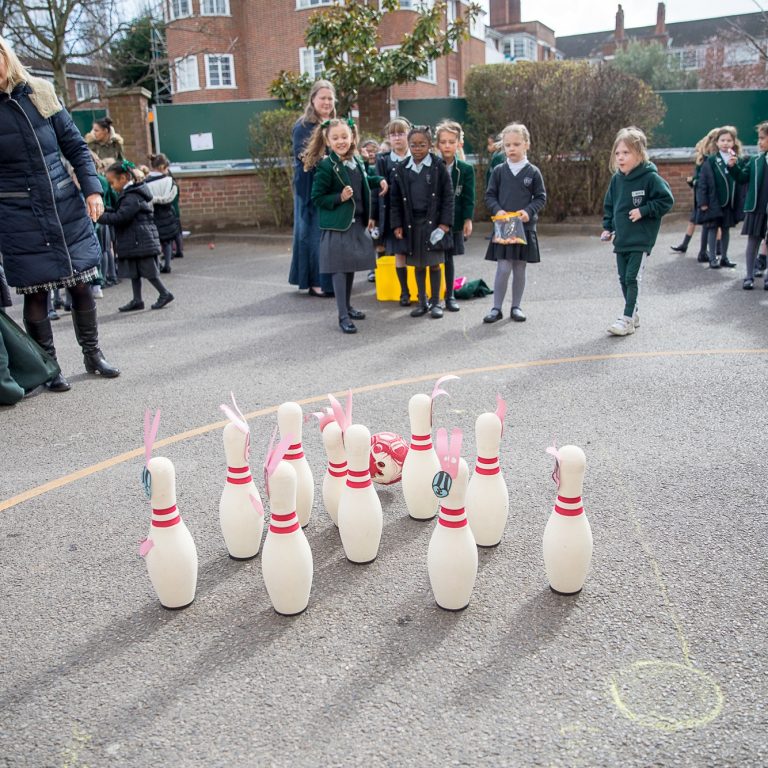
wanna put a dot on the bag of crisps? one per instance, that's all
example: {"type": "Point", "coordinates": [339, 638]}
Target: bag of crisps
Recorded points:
{"type": "Point", "coordinates": [508, 229]}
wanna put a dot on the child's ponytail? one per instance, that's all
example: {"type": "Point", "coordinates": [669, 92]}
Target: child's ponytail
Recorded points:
{"type": "Point", "coordinates": [123, 168]}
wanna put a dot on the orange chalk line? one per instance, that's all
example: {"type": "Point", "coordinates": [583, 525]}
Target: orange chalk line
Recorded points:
{"type": "Point", "coordinates": [73, 477]}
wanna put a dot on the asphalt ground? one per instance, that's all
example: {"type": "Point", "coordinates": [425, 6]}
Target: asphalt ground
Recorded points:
{"type": "Point", "coordinates": [660, 661]}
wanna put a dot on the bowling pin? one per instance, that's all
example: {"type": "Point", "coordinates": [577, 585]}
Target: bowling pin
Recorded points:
{"type": "Point", "coordinates": [169, 550]}
{"type": "Point", "coordinates": [336, 472]}
{"type": "Point", "coordinates": [567, 535]}
{"type": "Point", "coordinates": [452, 553]}
{"type": "Point", "coordinates": [487, 494]}
{"type": "Point", "coordinates": [289, 421]}
{"type": "Point", "coordinates": [241, 512]}
{"type": "Point", "coordinates": [360, 517]}
{"type": "Point", "coordinates": [421, 463]}
{"type": "Point", "coordinates": [286, 560]}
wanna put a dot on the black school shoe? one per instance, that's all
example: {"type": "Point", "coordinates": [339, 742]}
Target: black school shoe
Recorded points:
{"type": "Point", "coordinates": [420, 310]}
{"type": "Point", "coordinates": [356, 314]}
{"type": "Point", "coordinates": [435, 311]}
{"type": "Point", "coordinates": [451, 305]}
{"type": "Point", "coordinates": [405, 300]}
{"type": "Point", "coordinates": [163, 299]}
{"type": "Point", "coordinates": [680, 248]}
{"type": "Point", "coordinates": [517, 315]}
{"type": "Point", "coordinates": [748, 284]}
{"type": "Point", "coordinates": [347, 326]}
{"type": "Point", "coordinates": [493, 316]}
{"type": "Point", "coordinates": [702, 258]}
{"type": "Point", "coordinates": [726, 262]}
{"type": "Point", "coordinates": [132, 306]}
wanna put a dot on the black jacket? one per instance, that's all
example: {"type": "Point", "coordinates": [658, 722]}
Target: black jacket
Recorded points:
{"type": "Point", "coordinates": [384, 166]}
{"type": "Point", "coordinates": [45, 232]}
{"type": "Point", "coordinates": [440, 206]}
{"type": "Point", "coordinates": [164, 191]}
{"type": "Point", "coordinates": [136, 235]}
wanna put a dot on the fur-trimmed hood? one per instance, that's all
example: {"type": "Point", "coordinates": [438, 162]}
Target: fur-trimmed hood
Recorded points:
{"type": "Point", "coordinates": [44, 97]}
{"type": "Point", "coordinates": [114, 139]}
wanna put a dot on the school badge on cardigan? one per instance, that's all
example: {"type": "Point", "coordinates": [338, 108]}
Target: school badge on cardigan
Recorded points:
{"type": "Point", "coordinates": [638, 197]}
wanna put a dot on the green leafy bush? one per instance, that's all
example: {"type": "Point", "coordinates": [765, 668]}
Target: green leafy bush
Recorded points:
{"type": "Point", "coordinates": [272, 153]}
{"type": "Point", "coordinates": [573, 111]}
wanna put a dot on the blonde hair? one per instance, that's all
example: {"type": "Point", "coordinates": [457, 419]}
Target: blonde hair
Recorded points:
{"type": "Point", "coordinates": [762, 127]}
{"type": "Point", "coordinates": [515, 128]}
{"type": "Point", "coordinates": [16, 72]}
{"type": "Point", "coordinates": [315, 149]}
{"type": "Point", "coordinates": [636, 142]}
{"type": "Point", "coordinates": [737, 145]}
{"type": "Point", "coordinates": [705, 146]}
{"type": "Point", "coordinates": [398, 125]}
{"type": "Point", "coordinates": [310, 114]}
{"type": "Point", "coordinates": [451, 126]}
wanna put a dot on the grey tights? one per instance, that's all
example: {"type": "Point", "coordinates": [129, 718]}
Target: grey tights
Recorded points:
{"type": "Point", "coordinates": [505, 267]}
{"type": "Point", "coordinates": [342, 288]}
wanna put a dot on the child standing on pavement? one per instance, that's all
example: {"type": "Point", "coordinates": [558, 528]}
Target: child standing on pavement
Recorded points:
{"type": "Point", "coordinates": [636, 199]}
{"type": "Point", "coordinates": [716, 194]}
{"type": "Point", "coordinates": [514, 186]}
{"type": "Point", "coordinates": [341, 192]}
{"type": "Point", "coordinates": [755, 174]}
{"type": "Point", "coordinates": [164, 191]}
{"type": "Point", "coordinates": [449, 136]}
{"type": "Point", "coordinates": [136, 238]}
{"type": "Point", "coordinates": [396, 133]}
{"type": "Point", "coordinates": [422, 216]}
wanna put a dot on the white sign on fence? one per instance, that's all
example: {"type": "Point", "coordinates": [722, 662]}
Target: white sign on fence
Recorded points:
{"type": "Point", "coordinates": [200, 141]}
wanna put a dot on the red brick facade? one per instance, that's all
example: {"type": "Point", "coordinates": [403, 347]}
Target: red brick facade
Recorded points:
{"type": "Point", "coordinates": [265, 36]}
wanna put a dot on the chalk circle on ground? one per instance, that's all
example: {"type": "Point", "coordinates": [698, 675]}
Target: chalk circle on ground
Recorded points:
{"type": "Point", "coordinates": [666, 695]}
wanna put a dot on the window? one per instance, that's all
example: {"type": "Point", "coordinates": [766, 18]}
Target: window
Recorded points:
{"type": "Point", "coordinates": [739, 54]}
{"type": "Point", "coordinates": [301, 4]}
{"type": "Point", "coordinates": [430, 76]}
{"type": "Point", "coordinates": [688, 58]}
{"type": "Point", "coordinates": [451, 14]}
{"type": "Point", "coordinates": [415, 5]}
{"type": "Point", "coordinates": [477, 27]}
{"type": "Point", "coordinates": [453, 88]}
{"type": "Point", "coordinates": [187, 78]}
{"type": "Point", "coordinates": [214, 7]}
{"type": "Point", "coordinates": [519, 47]}
{"type": "Point", "coordinates": [220, 70]}
{"type": "Point", "coordinates": [177, 9]}
{"type": "Point", "coordinates": [86, 89]}
{"type": "Point", "coordinates": [311, 62]}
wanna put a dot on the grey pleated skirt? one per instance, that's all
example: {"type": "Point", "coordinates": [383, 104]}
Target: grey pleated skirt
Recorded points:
{"type": "Point", "coordinates": [348, 251]}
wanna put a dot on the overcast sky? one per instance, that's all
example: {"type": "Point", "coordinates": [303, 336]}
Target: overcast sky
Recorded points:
{"type": "Point", "coordinates": [572, 18]}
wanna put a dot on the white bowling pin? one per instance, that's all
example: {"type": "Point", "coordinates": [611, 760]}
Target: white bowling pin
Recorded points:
{"type": "Point", "coordinates": [241, 512]}
{"type": "Point", "coordinates": [421, 464]}
{"type": "Point", "coordinates": [169, 550]}
{"type": "Point", "coordinates": [567, 535]}
{"type": "Point", "coordinates": [452, 554]}
{"type": "Point", "coordinates": [289, 421]}
{"type": "Point", "coordinates": [286, 560]}
{"type": "Point", "coordinates": [336, 472]}
{"type": "Point", "coordinates": [487, 494]}
{"type": "Point", "coordinates": [360, 517]}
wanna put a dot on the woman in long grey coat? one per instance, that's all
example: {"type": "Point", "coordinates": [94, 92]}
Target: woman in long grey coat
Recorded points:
{"type": "Point", "coordinates": [46, 232]}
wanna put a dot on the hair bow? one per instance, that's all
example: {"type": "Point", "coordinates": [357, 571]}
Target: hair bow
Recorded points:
{"type": "Point", "coordinates": [325, 123]}
{"type": "Point", "coordinates": [127, 164]}
{"type": "Point", "coordinates": [351, 122]}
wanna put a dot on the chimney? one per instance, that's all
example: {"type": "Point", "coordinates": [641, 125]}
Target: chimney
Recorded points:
{"type": "Point", "coordinates": [504, 12]}
{"type": "Point", "coordinates": [514, 12]}
{"type": "Point", "coordinates": [618, 33]}
{"type": "Point", "coordinates": [661, 26]}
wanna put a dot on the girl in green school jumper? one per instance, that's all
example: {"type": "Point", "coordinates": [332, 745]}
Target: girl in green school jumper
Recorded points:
{"type": "Point", "coordinates": [341, 193]}
{"type": "Point", "coordinates": [449, 136]}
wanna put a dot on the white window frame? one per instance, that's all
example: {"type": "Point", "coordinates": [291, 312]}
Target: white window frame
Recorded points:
{"type": "Point", "coordinates": [311, 62]}
{"type": "Point", "coordinates": [477, 27]}
{"type": "Point", "coordinates": [215, 10]}
{"type": "Point", "coordinates": [209, 57]}
{"type": "Point", "coordinates": [413, 5]}
{"type": "Point", "coordinates": [170, 13]}
{"type": "Point", "coordinates": [188, 66]}
{"type": "Point", "coordinates": [303, 5]}
{"type": "Point", "coordinates": [688, 58]}
{"type": "Point", "coordinates": [89, 93]}
{"type": "Point", "coordinates": [740, 55]}
{"type": "Point", "coordinates": [431, 73]}
{"type": "Point", "coordinates": [453, 88]}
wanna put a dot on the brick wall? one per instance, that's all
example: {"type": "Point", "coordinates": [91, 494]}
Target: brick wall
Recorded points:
{"type": "Point", "coordinates": [129, 111]}
{"type": "Point", "coordinates": [675, 172]}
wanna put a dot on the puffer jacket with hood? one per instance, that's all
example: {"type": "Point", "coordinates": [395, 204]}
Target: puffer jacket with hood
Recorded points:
{"type": "Point", "coordinates": [164, 191]}
{"type": "Point", "coordinates": [135, 231]}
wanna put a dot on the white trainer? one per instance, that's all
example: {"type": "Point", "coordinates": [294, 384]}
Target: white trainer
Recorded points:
{"type": "Point", "coordinates": [636, 319]}
{"type": "Point", "coordinates": [622, 326]}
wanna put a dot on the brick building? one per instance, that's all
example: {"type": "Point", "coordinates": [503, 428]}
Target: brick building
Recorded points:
{"type": "Point", "coordinates": [517, 40]}
{"type": "Point", "coordinates": [86, 84]}
{"type": "Point", "coordinates": [717, 50]}
{"type": "Point", "coordinates": [224, 50]}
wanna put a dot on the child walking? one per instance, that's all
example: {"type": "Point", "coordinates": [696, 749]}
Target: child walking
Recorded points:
{"type": "Point", "coordinates": [514, 186]}
{"type": "Point", "coordinates": [450, 141]}
{"type": "Point", "coordinates": [422, 216]}
{"type": "Point", "coordinates": [755, 174]}
{"type": "Point", "coordinates": [716, 194]}
{"type": "Point", "coordinates": [636, 199]}
{"type": "Point", "coordinates": [164, 191]}
{"type": "Point", "coordinates": [341, 192]}
{"type": "Point", "coordinates": [136, 238]}
{"type": "Point", "coordinates": [396, 132]}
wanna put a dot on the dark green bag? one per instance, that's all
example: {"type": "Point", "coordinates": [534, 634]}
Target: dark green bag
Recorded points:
{"type": "Point", "coordinates": [473, 289]}
{"type": "Point", "coordinates": [24, 365]}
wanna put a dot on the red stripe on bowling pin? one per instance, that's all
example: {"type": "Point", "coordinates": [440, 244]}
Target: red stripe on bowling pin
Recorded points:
{"type": "Point", "coordinates": [165, 518]}
{"type": "Point", "coordinates": [284, 523]}
{"type": "Point", "coordinates": [569, 507]}
{"type": "Point", "coordinates": [421, 442]}
{"type": "Point", "coordinates": [238, 475]}
{"type": "Point", "coordinates": [487, 469]}
{"type": "Point", "coordinates": [452, 518]}
{"type": "Point", "coordinates": [364, 478]}
{"type": "Point", "coordinates": [337, 470]}
{"type": "Point", "coordinates": [294, 452]}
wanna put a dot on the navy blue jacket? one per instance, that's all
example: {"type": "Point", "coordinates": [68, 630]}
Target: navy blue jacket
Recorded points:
{"type": "Point", "coordinates": [136, 235]}
{"type": "Point", "coordinates": [45, 232]}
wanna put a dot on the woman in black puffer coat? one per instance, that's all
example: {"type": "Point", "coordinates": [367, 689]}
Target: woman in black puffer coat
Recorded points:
{"type": "Point", "coordinates": [46, 237]}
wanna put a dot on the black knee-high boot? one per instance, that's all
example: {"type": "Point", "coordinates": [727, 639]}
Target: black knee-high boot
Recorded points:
{"type": "Point", "coordinates": [42, 333]}
{"type": "Point", "coordinates": [683, 247]}
{"type": "Point", "coordinates": [87, 333]}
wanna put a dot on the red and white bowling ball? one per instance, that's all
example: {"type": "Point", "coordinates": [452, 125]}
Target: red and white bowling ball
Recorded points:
{"type": "Point", "coordinates": [388, 452]}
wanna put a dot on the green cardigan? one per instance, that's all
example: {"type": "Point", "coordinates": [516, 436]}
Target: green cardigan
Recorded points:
{"type": "Point", "coordinates": [751, 173]}
{"type": "Point", "coordinates": [330, 179]}
{"type": "Point", "coordinates": [463, 180]}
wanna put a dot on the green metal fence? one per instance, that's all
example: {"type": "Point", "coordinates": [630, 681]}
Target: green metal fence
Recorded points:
{"type": "Point", "coordinates": [216, 131]}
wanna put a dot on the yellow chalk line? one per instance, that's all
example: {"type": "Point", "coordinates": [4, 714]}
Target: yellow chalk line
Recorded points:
{"type": "Point", "coordinates": [72, 477]}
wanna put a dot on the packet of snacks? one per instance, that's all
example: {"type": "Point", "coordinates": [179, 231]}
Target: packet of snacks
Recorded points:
{"type": "Point", "coordinates": [508, 229]}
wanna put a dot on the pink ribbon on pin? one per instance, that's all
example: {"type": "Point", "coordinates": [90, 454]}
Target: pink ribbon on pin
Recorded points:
{"type": "Point", "coordinates": [145, 545]}
{"type": "Point", "coordinates": [501, 410]}
{"type": "Point", "coordinates": [275, 455]}
{"type": "Point", "coordinates": [324, 417]}
{"type": "Point", "coordinates": [437, 390]}
{"type": "Point", "coordinates": [150, 433]}
{"type": "Point", "coordinates": [343, 415]}
{"type": "Point", "coordinates": [449, 451]}
{"type": "Point", "coordinates": [256, 504]}
{"type": "Point", "coordinates": [235, 415]}
{"type": "Point", "coordinates": [552, 451]}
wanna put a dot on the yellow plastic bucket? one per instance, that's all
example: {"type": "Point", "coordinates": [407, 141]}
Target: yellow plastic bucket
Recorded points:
{"type": "Point", "coordinates": [388, 286]}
